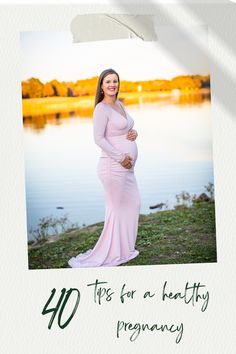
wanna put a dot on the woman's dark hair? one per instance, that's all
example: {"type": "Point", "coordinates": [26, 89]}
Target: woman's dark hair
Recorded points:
{"type": "Point", "coordinates": [99, 94]}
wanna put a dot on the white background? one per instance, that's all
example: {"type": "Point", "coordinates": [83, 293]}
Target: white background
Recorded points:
{"type": "Point", "coordinates": [93, 329]}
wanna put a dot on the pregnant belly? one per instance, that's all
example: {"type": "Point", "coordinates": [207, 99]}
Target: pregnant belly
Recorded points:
{"type": "Point", "coordinates": [125, 145]}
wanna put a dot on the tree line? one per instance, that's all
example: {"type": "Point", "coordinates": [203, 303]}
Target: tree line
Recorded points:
{"type": "Point", "coordinates": [33, 87]}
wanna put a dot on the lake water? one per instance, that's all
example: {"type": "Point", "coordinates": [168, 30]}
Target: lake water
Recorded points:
{"type": "Point", "coordinates": [175, 154]}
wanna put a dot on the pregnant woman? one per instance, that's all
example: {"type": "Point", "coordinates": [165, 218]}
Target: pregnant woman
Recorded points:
{"type": "Point", "coordinates": [113, 133]}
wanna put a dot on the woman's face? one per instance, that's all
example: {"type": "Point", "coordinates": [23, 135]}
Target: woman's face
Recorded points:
{"type": "Point", "coordinates": [110, 85]}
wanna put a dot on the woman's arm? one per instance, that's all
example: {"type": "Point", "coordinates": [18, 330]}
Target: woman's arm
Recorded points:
{"type": "Point", "coordinates": [100, 120]}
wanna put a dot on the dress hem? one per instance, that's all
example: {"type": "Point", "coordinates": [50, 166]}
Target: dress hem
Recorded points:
{"type": "Point", "coordinates": [72, 262]}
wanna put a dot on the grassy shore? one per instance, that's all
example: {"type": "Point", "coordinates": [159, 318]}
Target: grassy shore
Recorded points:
{"type": "Point", "coordinates": [178, 236]}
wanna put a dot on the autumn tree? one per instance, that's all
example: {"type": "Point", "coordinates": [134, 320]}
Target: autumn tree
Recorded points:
{"type": "Point", "coordinates": [32, 88]}
{"type": "Point", "coordinates": [60, 88]}
{"type": "Point", "coordinates": [48, 90]}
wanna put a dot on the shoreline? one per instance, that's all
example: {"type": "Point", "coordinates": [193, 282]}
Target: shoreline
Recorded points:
{"type": "Point", "coordinates": [185, 235]}
{"type": "Point", "coordinates": [84, 105]}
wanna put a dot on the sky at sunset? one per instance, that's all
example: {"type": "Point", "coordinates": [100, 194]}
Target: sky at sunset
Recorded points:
{"type": "Point", "coordinates": [50, 55]}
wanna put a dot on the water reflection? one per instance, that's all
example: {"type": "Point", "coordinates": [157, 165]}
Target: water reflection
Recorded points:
{"type": "Point", "coordinates": [190, 99]}
{"type": "Point", "coordinates": [38, 122]}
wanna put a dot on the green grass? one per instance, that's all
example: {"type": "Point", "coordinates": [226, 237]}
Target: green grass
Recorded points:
{"type": "Point", "coordinates": [166, 237]}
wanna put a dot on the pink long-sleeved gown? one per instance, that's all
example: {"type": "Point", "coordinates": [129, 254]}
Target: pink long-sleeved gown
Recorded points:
{"type": "Point", "coordinates": [116, 244]}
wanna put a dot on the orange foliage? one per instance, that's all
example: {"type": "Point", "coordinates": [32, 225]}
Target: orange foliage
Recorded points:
{"type": "Point", "coordinates": [35, 88]}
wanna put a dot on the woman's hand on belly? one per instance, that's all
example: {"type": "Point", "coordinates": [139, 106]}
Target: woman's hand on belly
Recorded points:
{"type": "Point", "coordinates": [127, 162]}
{"type": "Point", "coordinates": [132, 134]}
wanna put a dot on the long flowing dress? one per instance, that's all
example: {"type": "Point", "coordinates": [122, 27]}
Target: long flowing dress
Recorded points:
{"type": "Point", "coordinates": [116, 244]}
